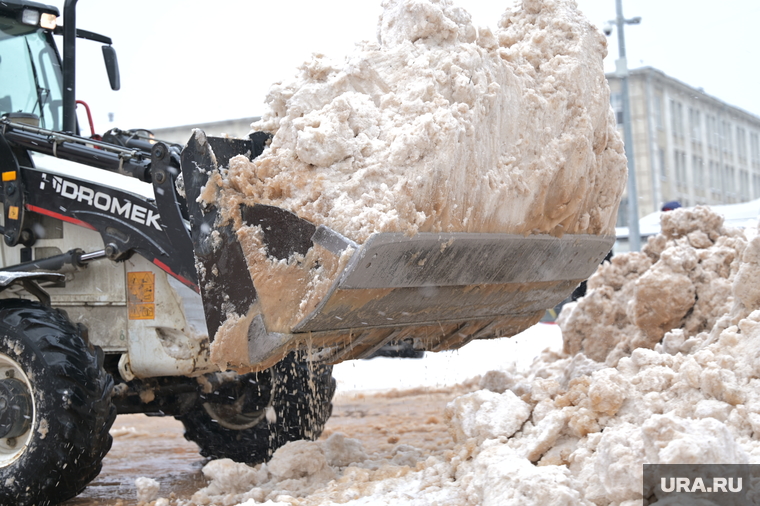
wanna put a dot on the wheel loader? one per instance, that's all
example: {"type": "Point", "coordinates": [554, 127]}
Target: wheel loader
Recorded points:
{"type": "Point", "coordinates": [116, 278]}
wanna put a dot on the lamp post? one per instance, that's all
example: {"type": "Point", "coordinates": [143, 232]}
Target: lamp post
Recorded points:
{"type": "Point", "coordinates": [621, 71]}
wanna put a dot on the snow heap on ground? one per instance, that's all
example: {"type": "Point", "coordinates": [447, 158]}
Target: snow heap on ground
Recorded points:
{"type": "Point", "coordinates": [439, 126]}
{"type": "Point", "coordinates": [673, 385]}
{"type": "Point", "coordinates": [681, 280]}
{"type": "Point", "coordinates": [147, 489]}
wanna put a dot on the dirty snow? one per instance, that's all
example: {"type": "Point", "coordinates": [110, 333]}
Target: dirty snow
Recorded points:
{"type": "Point", "coordinates": [443, 126]}
{"type": "Point", "coordinates": [569, 429]}
{"type": "Point", "coordinates": [437, 126]}
{"type": "Point", "coordinates": [147, 489]}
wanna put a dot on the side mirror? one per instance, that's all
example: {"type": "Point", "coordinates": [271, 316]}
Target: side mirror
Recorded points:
{"type": "Point", "coordinates": [112, 67]}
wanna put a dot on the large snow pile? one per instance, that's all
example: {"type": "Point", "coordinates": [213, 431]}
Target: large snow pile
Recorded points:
{"type": "Point", "coordinates": [573, 430]}
{"type": "Point", "coordinates": [439, 126]}
{"type": "Point", "coordinates": [682, 280]}
{"type": "Point", "coordinates": [436, 127]}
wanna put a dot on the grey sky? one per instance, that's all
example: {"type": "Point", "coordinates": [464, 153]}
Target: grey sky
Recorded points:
{"type": "Point", "coordinates": [188, 61]}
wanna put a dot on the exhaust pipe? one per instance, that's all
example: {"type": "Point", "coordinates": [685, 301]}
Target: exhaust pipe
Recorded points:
{"type": "Point", "coordinates": [69, 66]}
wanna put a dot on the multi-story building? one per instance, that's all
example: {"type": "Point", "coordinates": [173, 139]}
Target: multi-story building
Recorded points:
{"type": "Point", "coordinates": [688, 146]}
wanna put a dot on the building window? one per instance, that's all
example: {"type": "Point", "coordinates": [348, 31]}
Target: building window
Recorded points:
{"type": "Point", "coordinates": [695, 124]}
{"type": "Point", "coordinates": [676, 118]}
{"type": "Point", "coordinates": [661, 163]}
{"type": "Point", "coordinates": [712, 131]}
{"type": "Point", "coordinates": [741, 143]}
{"type": "Point", "coordinates": [622, 219]}
{"type": "Point", "coordinates": [715, 185]}
{"type": "Point", "coordinates": [679, 158]}
{"type": "Point", "coordinates": [754, 148]}
{"type": "Point", "coordinates": [744, 185]}
{"type": "Point", "coordinates": [659, 123]}
{"type": "Point", "coordinates": [698, 169]}
{"type": "Point", "coordinates": [728, 144]}
{"type": "Point", "coordinates": [756, 186]}
{"type": "Point", "coordinates": [730, 182]}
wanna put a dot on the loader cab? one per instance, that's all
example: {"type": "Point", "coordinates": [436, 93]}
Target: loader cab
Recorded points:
{"type": "Point", "coordinates": [34, 79]}
{"type": "Point", "coordinates": [31, 78]}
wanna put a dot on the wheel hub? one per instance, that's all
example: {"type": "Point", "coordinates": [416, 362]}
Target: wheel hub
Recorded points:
{"type": "Point", "coordinates": [251, 398]}
{"type": "Point", "coordinates": [232, 417]}
{"type": "Point", "coordinates": [15, 408]}
{"type": "Point", "coordinates": [17, 411]}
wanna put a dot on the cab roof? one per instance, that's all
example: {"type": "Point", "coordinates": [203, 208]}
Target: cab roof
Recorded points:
{"type": "Point", "coordinates": [15, 6]}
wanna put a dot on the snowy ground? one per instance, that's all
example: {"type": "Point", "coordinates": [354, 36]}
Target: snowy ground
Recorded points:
{"type": "Point", "coordinates": [154, 447]}
{"type": "Point", "coordinates": [569, 430]}
{"type": "Point", "coordinates": [447, 368]}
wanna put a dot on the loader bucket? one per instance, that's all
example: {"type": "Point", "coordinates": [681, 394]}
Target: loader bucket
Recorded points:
{"type": "Point", "coordinates": [279, 282]}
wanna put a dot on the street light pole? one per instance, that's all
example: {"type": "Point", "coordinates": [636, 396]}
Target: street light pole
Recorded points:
{"type": "Point", "coordinates": [621, 70]}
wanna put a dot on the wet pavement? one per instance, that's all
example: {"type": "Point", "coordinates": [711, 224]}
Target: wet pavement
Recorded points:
{"type": "Point", "coordinates": [155, 447]}
{"type": "Point", "coordinates": [145, 446]}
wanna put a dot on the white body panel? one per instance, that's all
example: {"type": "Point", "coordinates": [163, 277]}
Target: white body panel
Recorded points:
{"type": "Point", "coordinates": [160, 340]}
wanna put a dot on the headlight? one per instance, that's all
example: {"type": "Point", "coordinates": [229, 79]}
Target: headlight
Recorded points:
{"type": "Point", "coordinates": [34, 17]}
{"type": "Point", "coordinates": [30, 17]}
{"type": "Point", "coordinates": [48, 21]}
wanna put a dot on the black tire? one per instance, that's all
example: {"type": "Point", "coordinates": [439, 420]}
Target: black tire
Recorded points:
{"type": "Point", "coordinates": [67, 435]}
{"type": "Point", "coordinates": [247, 417]}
